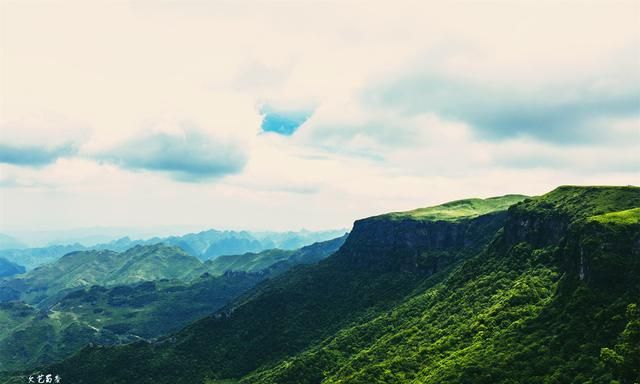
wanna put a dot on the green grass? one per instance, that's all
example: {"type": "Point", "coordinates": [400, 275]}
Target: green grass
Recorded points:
{"type": "Point", "coordinates": [459, 209]}
{"type": "Point", "coordinates": [577, 203]}
{"type": "Point", "coordinates": [629, 216]}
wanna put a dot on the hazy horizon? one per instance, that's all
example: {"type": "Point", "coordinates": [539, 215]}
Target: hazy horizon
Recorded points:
{"type": "Point", "coordinates": [91, 236]}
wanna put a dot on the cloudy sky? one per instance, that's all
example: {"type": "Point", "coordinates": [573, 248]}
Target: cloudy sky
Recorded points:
{"type": "Point", "coordinates": [282, 115]}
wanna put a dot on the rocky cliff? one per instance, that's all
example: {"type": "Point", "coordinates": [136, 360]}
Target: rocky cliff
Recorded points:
{"type": "Point", "coordinates": [603, 250]}
{"type": "Point", "coordinates": [592, 232]}
{"type": "Point", "coordinates": [423, 246]}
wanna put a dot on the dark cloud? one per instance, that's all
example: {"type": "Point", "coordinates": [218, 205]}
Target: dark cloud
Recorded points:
{"type": "Point", "coordinates": [187, 156]}
{"type": "Point", "coordinates": [35, 155]}
{"type": "Point", "coordinates": [557, 113]}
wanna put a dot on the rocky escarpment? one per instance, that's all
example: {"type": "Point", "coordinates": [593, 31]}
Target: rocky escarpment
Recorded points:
{"type": "Point", "coordinates": [603, 254]}
{"type": "Point", "coordinates": [422, 246]}
{"type": "Point", "coordinates": [539, 230]}
{"type": "Point", "coordinates": [545, 220]}
{"type": "Point", "coordinates": [593, 232]}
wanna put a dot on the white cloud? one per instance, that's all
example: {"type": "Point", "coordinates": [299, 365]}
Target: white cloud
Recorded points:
{"type": "Point", "coordinates": [101, 74]}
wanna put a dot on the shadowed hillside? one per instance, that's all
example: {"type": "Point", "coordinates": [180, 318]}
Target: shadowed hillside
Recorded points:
{"type": "Point", "coordinates": [106, 298]}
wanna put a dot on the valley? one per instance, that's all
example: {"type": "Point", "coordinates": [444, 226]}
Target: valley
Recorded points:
{"type": "Point", "coordinates": [106, 297]}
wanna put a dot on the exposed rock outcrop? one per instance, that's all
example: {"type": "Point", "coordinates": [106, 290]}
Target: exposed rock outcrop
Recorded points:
{"type": "Point", "coordinates": [422, 246]}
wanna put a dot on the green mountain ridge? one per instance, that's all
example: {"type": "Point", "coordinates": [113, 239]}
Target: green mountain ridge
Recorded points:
{"type": "Point", "coordinates": [107, 298]}
{"type": "Point", "coordinates": [87, 268]}
{"type": "Point", "coordinates": [551, 296]}
{"type": "Point", "coordinates": [426, 243]}
{"type": "Point", "coordinates": [8, 268]}
{"type": "Point", "coordinates": [308, 303]}
{"type": "Point", "coordinates": [254, 262]}
{"type": "Point", "coordinates": [458, 209]}
{"type": "Point", "coordinates": [564, 313]}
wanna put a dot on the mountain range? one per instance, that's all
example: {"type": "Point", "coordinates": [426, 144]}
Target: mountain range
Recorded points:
{"type": "Point", "coordinates": [204, 245]}
{"type": "Point", "coordinates": [511, 289]}
{"type": "Point", "coordinates": [111, 297]}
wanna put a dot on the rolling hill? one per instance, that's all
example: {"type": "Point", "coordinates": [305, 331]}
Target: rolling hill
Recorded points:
{"type": "Point", "coordinates": [105, 298]}
{"type": "Point", "coordinates": [106, 268]}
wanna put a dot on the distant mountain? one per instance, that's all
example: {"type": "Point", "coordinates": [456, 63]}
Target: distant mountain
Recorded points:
{"type": "Point", "coordinates": [8, 242]}
{"type": "Point", "coordinates": [295, 240]}
{"type": "Point", "coordinates": [204, 245]}
{"type": "Point", "coordinates": [232, 246]}
{"type": "Point", "coordinates": [210, 244]}
{"type": "Point", "coordinates": [249, 262]}
{"type": "Point", "coordinates": [33, 257]}
{"type": "Point", "coordinates": [253, 262]}
{"type": "Point", "coordinates": [8, 268]}
{"type": "Point", "coordinates": [544, 291]}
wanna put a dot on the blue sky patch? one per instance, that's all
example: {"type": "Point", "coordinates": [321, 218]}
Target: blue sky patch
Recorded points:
{"type": "Point", "coordinates": [282, 122]}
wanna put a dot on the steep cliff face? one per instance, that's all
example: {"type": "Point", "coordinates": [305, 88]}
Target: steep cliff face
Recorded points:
{"type": "Point", "coordinates": [535, 229]}
{"type": "Point", "coordinates": [593, 232]}
{"type": "Point", "coordinates": [603, 250]}
{"type": "Point", "coordinates": [422, 246]}
{"type": "Point", "coordinates": [425, 240]}
{"type": "Point", "coordinates": [545, 220]}
{"type": "Point", "coordinates": [553, 299]}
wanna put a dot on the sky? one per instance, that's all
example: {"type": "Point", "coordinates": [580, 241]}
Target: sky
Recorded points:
{"type": "Point", "coordinates": [278, 115]}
